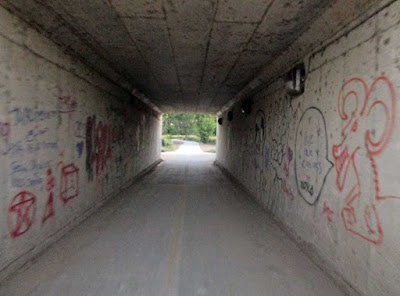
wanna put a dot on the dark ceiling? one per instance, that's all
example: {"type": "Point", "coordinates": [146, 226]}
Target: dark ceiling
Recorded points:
{"type": "Point", "coordinates": [184, 55]}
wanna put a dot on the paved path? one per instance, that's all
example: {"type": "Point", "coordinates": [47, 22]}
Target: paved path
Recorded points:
{"type": "Point", "coordinates": [187, 148]}
{"type": "Point", "coordinates": [184, 229]}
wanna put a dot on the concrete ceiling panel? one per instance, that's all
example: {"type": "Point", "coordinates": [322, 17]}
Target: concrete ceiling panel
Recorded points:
{"type": "Point", "coordinates": [139, 8]}
{"type": "Point", "coordinates": [287, 20]}
{"type": "Point", "coordinates": [228, 40]}
{"type": "Point", "coordinates": [241, 10]}
{"type": "Point", "coordinates": [151, 37]}
{"type": "Point", "coordinates": [190, 25]}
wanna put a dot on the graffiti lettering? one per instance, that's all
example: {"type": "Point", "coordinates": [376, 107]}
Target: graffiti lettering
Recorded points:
{"type": "Point", "coordinates": [26, 115]}
{"type": "Point", "coordinates": [308, 187]}
{"type": "Point", "coordinates": [19, 148]}
{"type": "Point", "coordinates": [311, 166]}
{"type": "Point", "coordinates": [34, 134]}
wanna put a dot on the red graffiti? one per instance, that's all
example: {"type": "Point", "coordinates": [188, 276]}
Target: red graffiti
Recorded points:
{"type": "Point", "coordinates": [286, 189]}
{"type": "Point", "coordinates": [357, 152]}
{"type": "Point", "coordinates": [328, 212]}
{"type": "Point", "coordinates": [50, 185]}
{"type": "Point", "coordinates": [99, 140]}
{"type": "Point", "coordinates": [4, 129]}
{"type": "Point", "coordinates": [21, 213]}
{"type": "Point", "coordinates": [69, 184]}
{"type": "Point", "coordinates": [103, 146]}
{"type": "Point", "coordinates": [66, 105]}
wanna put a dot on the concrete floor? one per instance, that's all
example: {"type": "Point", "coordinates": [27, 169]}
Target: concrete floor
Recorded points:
{"type": "Point", "coordinates": [184, 229]}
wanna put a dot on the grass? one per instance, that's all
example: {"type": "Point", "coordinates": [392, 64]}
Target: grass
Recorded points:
{"type": "Point", "coordinates": [167, 145]}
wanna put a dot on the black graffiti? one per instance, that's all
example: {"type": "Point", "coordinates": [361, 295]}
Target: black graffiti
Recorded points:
{"type": "Point", "coordinates": [90, 144]}
{"type": "Point", "coordinates": [260, 131]}
{"type": "Point", "coordinates": [307, 186]}
{"type": "Point", "coordinates": [311, 155]}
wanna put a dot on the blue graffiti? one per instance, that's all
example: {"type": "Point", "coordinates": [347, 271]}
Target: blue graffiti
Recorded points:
{"type": "Point", "coordinates": [26, 182]}
{"type": "Point", "coordinates": [28, 115]}
{"type": "Point", "coordinates": [17, 167]}
{"type": "Point", "coordinates": [35, 133]}
{"type": "Point", "coordinates": [19, 148]}
{"type": "Point", "coordinates": [79, 147]}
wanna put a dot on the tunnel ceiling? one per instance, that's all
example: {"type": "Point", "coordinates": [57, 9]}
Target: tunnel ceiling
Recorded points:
{"type": "Point", "coordinates": [184, 55]}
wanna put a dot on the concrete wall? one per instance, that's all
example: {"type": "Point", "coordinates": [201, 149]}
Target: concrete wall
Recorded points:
{"type": "Point", "coordinates": [325, 163]}
{"type": "Point", "coordinates": [69, 139]}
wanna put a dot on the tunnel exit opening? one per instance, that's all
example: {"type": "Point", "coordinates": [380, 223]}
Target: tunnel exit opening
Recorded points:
{"type": "Point", "coordinates": [188, 133]}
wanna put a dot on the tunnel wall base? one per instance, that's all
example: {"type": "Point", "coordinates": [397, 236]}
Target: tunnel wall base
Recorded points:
{"type": "Point", "coordinates": [324, 163]}
{"type": "Point", "coordinates": [69, 140]}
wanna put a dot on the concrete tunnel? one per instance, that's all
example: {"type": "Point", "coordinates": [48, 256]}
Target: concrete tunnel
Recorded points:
{"type": "Point", "coordinates": [302, 197]}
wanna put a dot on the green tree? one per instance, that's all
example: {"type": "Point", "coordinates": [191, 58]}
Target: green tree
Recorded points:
{"type": "Point", "coordinates": [206, 126]}
{"type": "Point", "coordinates": [179, 124]}
{"type": "Point", "coordinates": [202, 125]}
{"type": "Point", "coordinates": [186, 124]}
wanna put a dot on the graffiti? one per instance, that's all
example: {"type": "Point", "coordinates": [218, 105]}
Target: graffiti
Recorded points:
{"type": "Point", "coordinates": [21, 213]}
{"type": "Point", "coordinates": [25, 174]}
{"type": "Point", "coordinates": [50, 185]}
{"type": "Point", "coordinates": [33, 134]}
{"type": "Point", "coordinates": [69, 183]}
{"type": "Point", "coordinates": [66, 105]}
{"type": "Point", "coordinates": [32, 143]}
{"type": "Point", "coordinates": [99, 138]}
{"type": "Point", "coordinates": [361, 143]}
{"type": "Point", "coordinates": [80, 129]}
{"type": "Point", "coordinates": [281, 119]}
{"type": "Point", "coordinates": [260, 131]}
{"type": "Point", "coordinates": [26, 115]}
{"type": "Point", "coordinates": [286, 189]}
{"type": "Point", "coordinates": [79, 148]}
{"type": "Point", "coordinates": [103, 146]}
{"type": "Point", "coordinates": [4, 129]}
{"type": "Point", "coordinates": [19, 148]}
{"type": "Point", "coordinates": [90, 145]}
{"type": "Point", "coordinates": [328, 212]}
{"type": "Point", "coordinates": [311, 162]}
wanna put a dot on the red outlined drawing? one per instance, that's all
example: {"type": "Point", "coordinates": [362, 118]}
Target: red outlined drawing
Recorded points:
{"type": "Point", "coordinates": [358, 150]}
{"type": "Point", "coordinates": [21, 213]}
{"type": "Point", "coordinates": [69, 183]}
{"type": "Point", "coordinates": [50, 185]}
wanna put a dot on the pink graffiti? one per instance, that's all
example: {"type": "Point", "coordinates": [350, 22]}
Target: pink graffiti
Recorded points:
{"type": "Point", "coordinates": [357, 153]}
{"type": "Point", "coordinates": [328, 212]}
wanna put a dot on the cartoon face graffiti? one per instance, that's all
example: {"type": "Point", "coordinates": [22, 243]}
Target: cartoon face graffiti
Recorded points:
{"type": "Point", "coordinates": [260, 131]}
{"type": "Point", "coordinates": [311, 162]}
{"type": "Point", "coordinates": [362, 140]}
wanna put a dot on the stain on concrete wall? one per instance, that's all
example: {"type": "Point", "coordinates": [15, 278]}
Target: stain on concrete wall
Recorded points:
{"type": "Point", "coordinates": [68, 141]}
{"type": "Point", "coordinates": [327, 166]}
